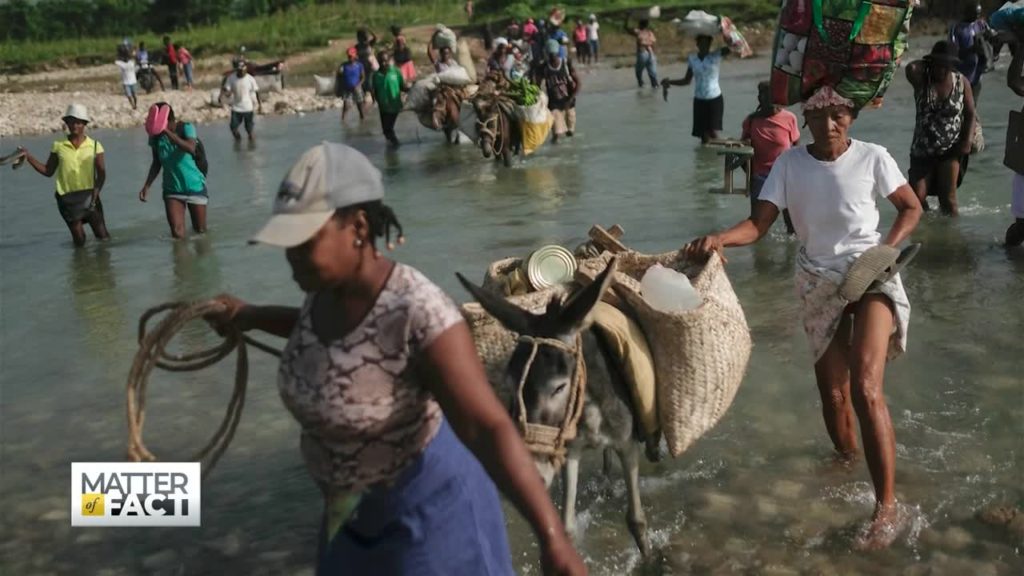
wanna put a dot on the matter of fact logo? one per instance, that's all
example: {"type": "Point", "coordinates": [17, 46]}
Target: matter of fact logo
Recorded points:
{"type": "Point", "coordinates": [135, 494]}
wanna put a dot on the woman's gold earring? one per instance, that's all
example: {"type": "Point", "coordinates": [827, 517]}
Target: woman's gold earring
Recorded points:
{"type": "Point", "coordinates": [359, 243]}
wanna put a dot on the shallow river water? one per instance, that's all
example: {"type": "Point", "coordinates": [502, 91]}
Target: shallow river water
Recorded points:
{"type": "Point", "coordinates": [758, 495]}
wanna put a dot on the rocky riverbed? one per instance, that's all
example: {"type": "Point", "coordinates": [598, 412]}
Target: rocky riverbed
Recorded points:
{"type": "Point", "coordinates": [40, 113]}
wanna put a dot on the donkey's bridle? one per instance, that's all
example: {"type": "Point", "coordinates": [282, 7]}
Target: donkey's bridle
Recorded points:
{"type": "Point", "coordinates": [496, 124]}
{"type": "Point", "coordinates": [492, 127]}
{"type": "Point", "coordinates": [541, 438]}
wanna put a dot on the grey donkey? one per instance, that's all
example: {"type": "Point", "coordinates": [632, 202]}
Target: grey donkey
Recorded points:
{"type": "Point", "coordinates": [607, 421]}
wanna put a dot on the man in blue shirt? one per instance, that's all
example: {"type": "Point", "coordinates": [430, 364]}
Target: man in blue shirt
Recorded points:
{"type": "Point", "coordinates": [348, 83]}
{"type": "Point", "coordinates": [560, 36]}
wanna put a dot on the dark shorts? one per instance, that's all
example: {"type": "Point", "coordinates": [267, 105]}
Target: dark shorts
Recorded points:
{"type": "Point", "coordinates": [238, 117]}
{"type": "Point", "coordinates": [707, 115]}
{"type": "Point", "coordinates": [921, 168]}
{"type": "Point", "coordinates": [77, 206]}
{"type": "Point", "coordinates": [756, 184]}
{"type": "Point", "coordinates": [582, 49]}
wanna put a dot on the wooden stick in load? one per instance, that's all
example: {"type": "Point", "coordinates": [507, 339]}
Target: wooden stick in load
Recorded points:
{"type": "Point", "coordinates": [606, 240]}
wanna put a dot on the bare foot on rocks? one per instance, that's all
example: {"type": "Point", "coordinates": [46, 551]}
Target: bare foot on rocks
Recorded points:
{"type": "Point", "coordinates": [886, 525]}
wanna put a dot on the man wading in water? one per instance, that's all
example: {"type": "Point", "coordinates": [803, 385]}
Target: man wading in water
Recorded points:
{"type": "Point", "coordinates": [645, 58]}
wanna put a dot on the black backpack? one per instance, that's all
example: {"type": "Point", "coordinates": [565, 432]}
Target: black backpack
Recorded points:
{"type": "Point", "coordinates": [200, 154]}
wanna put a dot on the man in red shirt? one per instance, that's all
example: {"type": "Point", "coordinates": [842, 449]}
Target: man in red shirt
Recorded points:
{"type": "Point", "coordinates": [172, 61]}
{"type": "Point", "coordinates": [770, 130]}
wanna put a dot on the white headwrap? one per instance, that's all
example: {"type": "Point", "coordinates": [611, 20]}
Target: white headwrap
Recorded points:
{"type": "Point", "coordinates": [826, 97]}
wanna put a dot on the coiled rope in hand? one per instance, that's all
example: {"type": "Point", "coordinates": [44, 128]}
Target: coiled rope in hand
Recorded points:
{"type": "Point", "coordinates": [153, 354]}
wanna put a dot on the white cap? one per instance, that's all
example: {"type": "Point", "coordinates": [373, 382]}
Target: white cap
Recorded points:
{"type": "Point", "coordinates": [77, 111]}
{"type": "Point", "coordinates": [326, 177]}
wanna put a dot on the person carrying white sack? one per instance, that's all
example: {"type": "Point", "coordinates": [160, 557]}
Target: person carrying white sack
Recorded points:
{"type": "Point", "coordinates": [855, 310]}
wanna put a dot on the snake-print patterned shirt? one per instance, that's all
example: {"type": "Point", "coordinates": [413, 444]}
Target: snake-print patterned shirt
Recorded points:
{"type": "Point", "coordinates": [363, 409]}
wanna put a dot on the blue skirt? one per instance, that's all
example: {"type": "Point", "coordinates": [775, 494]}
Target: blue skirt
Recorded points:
{"type": "Point", "coordinates": [442, 516]}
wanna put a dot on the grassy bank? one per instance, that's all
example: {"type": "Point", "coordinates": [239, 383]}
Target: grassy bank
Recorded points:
{"type": "Point", "coordinates": [277, 35]}
{"type": "Point", "coordinates": [312, 26]}
{"type": "Point", "coordinates": [304, 29]}
{"type": "Point", "coordinates": [739, 10]}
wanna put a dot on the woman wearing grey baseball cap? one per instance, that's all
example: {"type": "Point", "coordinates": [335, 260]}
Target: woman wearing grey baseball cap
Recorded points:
{"type": "Point", "coordinates": [400, 428]}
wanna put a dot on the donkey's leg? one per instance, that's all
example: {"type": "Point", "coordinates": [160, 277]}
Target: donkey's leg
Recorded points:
{"type": "Point", "coordinates": [570, 478]}
{"type": "Point", "coordinates": [629, 454]}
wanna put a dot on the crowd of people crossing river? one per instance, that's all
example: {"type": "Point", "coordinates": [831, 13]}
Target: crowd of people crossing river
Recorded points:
{"type": "Point", "coordinates": [401, 429]}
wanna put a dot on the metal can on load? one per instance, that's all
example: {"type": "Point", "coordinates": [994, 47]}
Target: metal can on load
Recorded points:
{"type": "Point", "coordinates": [550, 266]}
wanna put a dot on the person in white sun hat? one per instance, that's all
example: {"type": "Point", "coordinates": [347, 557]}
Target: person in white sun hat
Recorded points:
{"type": "Point", "coordinates": [855, 309]}
{"type": "Point", "coordinates": [400, 428]}
{"type": "Point", "coordinates": [78, 162]}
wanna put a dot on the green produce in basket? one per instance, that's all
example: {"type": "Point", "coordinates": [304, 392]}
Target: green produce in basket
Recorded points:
{"type": "Point", "coordinates": [524, 92]}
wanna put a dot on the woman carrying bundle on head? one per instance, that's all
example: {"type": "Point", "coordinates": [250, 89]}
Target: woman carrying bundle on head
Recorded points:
{"type": "Point", "coordinates": [708, 102]}
{"type": "Point", "coordinates": [855, 310]}
{"type": "Point", "coordinates": [400, 428]}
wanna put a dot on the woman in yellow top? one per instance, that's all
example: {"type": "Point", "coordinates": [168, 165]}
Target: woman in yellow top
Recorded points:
{"type": "Point", "coordinates": [80, 168]}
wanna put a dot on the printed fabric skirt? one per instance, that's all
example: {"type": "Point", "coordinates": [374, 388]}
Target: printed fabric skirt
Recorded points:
{"type": "Point", "coordinates": [442, 516]}
{"type": "Point", "coordinates": [823, 307]}
{"type": "Point", "coordinates": [707, 116]}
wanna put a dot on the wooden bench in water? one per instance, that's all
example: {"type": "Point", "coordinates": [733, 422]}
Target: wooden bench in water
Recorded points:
{"type": "Point", "coordinates": [736, 154]}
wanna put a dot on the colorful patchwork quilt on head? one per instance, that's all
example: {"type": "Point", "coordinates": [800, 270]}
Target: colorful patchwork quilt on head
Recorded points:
{"type": "Point", "coordinates": [853, 46]}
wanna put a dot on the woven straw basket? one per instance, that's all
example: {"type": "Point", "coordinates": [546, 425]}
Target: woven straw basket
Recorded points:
{"type": "Point", "coordinates": [494, 342]}
{"type": "Point", "coordinates": [700, 355]}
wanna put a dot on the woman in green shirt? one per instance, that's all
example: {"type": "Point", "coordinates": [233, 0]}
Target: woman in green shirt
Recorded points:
{"type": "Point", "coordinates": [388, 85]}
{"type": "Point", "coordinates": [81, 170]}
{"type": "Point", "coordinates": [184, 184]}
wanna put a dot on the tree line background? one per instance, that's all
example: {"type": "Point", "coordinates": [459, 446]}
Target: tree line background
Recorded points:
{"type": "Point", "coordinates": [43, 20]}
{"type": "Point", "coordinates": [55, 19]}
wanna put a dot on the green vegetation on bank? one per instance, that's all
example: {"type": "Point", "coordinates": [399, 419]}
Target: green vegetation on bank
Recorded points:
{"type": "Point", "coordinates": [279, 34]}
{"type": "Point", "coordinates": [279, 28]}
{"type": "Point", "coordinates": [740, 10]}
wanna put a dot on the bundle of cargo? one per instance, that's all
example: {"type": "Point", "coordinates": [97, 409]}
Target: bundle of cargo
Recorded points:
{"type": "Point", "coordinates": [700, 23]}
{"type": "Point", "coordinates": [700, 351]}
{"type": "Point", "coordinates": [854, 46]}
{"type": "Point", "coordinates": [1008, 17]}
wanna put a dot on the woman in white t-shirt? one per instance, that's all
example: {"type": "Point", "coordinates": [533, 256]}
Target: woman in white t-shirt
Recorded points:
{"type": "Point", "coordinates": [830, 188]}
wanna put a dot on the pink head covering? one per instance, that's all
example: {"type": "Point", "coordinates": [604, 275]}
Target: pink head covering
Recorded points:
{"type": "Point", "coordinates": [826, 97]}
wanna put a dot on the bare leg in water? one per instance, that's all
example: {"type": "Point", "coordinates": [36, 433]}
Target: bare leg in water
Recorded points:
{"type": "Point", "coordinates": [850, 380]}
{"type": "Point", "coordinates": [946, 173]}
{"type": "Point", "coordinates": [832, 372]}
{"type": "Point", "coordinates": [175, 210]}
{"type": "Point", "coordinates": [872, 328]}
{"type": "Point", "coordinates": [197, 213]}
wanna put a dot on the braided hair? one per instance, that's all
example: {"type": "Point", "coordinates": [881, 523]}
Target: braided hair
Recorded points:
{"type": "Point", "coordinates": [381, 219]}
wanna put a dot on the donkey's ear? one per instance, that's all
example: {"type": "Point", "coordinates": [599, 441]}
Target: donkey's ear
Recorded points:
{"type": "Point", "coordinates": [582, 302]}
{"type": "Point", "coordinates": [511, 316]}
